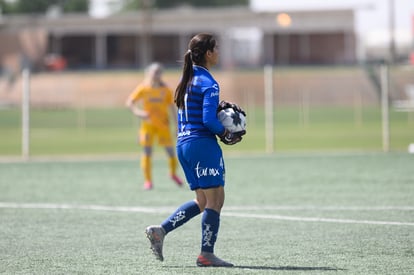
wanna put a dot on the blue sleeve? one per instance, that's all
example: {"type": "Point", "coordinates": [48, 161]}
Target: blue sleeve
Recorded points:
{"type": "Point", "coordinates": [210, 104]}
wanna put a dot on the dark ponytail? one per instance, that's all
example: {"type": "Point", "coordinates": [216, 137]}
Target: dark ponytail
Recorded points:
{"type": "Point", "coordinates": [185, 80]}
{"type": "Point", "coordinates": [197, 49]}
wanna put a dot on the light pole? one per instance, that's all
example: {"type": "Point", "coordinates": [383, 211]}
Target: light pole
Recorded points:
{"type": "Point", "coordinates": [146, 27]}
{"type": "Point", "coordinates": [392, 50]}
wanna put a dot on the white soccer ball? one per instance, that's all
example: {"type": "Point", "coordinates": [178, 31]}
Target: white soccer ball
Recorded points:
{"type": "Point", "coordinates": [232, 120]}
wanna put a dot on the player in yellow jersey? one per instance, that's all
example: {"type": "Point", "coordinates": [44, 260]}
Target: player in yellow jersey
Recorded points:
{"type": "Point", "coordinates": [152, 102]}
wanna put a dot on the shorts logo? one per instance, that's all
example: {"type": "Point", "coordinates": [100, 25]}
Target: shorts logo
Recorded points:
{"type": "Point", "coordinates": [205, 171]}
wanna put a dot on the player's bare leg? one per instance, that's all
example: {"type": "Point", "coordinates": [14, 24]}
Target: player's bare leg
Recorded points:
{"type": "Point", "coordinates": [172, 165]}
{"type": "Point", "coordinates": [147, 167]}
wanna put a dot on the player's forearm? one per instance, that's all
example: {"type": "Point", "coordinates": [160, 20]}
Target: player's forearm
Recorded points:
{"type": "Point", "coordinates": [138, 112]}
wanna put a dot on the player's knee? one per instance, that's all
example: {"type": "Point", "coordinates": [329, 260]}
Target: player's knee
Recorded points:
{"type": "Point", "coordinates": [201, 203]}
{"type": "Point", "coordinates": [215, 204]}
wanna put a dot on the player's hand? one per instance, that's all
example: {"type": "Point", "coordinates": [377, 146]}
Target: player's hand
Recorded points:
{"type": "Point", "coordinates": [141, 114]}
{"type": "Point", "coordinates": [229, 138]}
{"type": "Point", "coordinates": [224, 105]}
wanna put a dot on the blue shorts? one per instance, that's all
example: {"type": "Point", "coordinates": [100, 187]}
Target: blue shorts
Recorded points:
{"type": "Point", "coordinates": [202, 162]}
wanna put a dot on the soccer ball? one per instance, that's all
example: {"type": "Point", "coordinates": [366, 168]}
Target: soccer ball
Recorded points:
{"type": "Point", "coordinates": [232, 120]}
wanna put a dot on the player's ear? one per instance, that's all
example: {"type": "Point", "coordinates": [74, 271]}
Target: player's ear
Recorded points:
{"type": "Point", "coordinates": [209, 53]}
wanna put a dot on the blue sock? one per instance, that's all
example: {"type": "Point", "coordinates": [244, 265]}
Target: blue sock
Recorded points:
{"type": "Point", "coordinates": [210, 223]}
{"type": "Point", "coordinates": [183, 214]}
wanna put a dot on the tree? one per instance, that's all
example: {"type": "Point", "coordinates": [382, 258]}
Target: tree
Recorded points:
{"type": "Point", "coordinates": [199, 3]}
{"type": "Point", "coordinates": [76, 6]}
{"type": "Point", "coordinates": [6, 7]}
{"type": "Point", "coordinates": [162, 4]}
{"type": "Point", "coordinates": [41, 6]}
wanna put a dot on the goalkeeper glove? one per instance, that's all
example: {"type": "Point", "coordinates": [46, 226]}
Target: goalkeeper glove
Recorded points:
{"type": "Point", "coordinates": [229, 138]}
{"type": "Point", "coordinates": [224, 105]}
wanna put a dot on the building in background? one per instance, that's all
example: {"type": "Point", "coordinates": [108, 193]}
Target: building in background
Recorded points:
{"type": "Point", "coordinates": [247, 38]}
{"type": "Point", "coordinates": [382, 27]}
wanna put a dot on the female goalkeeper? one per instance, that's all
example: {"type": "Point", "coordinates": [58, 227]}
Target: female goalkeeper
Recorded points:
{"type": "Point", "coordinates": [152, 102]}
{"type": "Point", "coordinates": [197, 99]}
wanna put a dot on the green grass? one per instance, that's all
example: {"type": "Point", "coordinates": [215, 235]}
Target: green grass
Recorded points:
{"type": "Point", "coordinates": [113, 131]}
{"type": "Point", "coordinates": [292, 213]}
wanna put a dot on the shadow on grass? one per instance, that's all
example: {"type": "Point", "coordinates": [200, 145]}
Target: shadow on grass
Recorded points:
{"type": "Point", "coordinates": [300, 268]}
{"type": "Point", "coordinates": [293, 268]}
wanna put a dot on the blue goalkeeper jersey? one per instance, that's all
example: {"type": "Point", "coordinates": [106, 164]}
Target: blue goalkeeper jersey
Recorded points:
{"type": "Point", "coordinates": [199, 116]}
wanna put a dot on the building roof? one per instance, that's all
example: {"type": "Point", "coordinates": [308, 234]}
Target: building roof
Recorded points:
{"type": "Point", "coordinates": [189, 20]}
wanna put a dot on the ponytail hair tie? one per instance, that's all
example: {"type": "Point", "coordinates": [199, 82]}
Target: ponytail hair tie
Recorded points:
{"type": "Point", "coordinates": [189, 51]}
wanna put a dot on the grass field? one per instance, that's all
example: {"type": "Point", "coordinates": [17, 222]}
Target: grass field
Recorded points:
{"type": "Point", "coordinates": [292, 213]}
{"type": "Point", "coordinates": [113, 131]}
